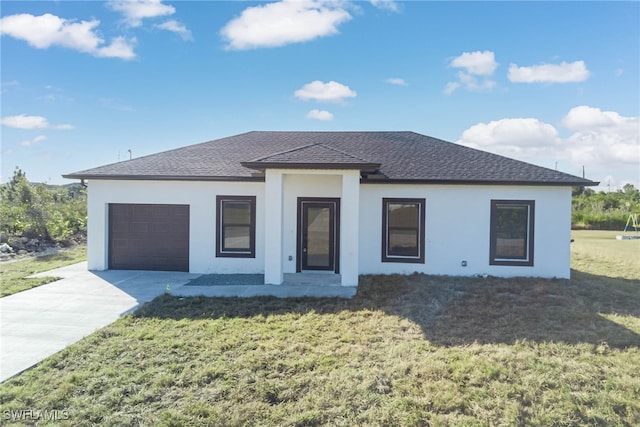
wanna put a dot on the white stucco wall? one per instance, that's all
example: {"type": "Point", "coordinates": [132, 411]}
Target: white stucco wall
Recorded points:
{"type": "Point", "coordinates": [457, 229]}
{"type": "Point", "coordinates": [457, 223]}
{"type": "Point", "coordinates": [201, 198]}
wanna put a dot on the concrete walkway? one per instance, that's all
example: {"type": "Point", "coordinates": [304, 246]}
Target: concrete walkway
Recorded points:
{"type": "Point", "coordinates": [39, 322]}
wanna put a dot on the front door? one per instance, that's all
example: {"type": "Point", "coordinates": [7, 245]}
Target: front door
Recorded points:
{"type": "Point", "coordinates": [318, 234]}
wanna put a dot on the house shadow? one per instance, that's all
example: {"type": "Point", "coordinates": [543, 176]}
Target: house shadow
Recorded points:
{"type": "Point", "coordinates": [458, 311]}
{"type": "Point", "coordinates": [585, 309]}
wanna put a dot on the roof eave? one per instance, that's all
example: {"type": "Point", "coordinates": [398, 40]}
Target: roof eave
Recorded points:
{"type": "Point", "coordinates": [260, 178]}
{"type": "Point", "coordinates": [162, 177]}
{"type": "Point", "coordinates": [483, 182]}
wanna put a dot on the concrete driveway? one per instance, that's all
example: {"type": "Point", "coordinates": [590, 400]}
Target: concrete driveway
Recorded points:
{"type": "Point", "coordinates": [36, 323]}
{"type": "Point", "coordinates": [39, 322]}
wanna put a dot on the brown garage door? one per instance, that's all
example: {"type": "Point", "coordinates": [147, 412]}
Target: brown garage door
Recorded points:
{"type": "Point", "coordinates": [149, 237]}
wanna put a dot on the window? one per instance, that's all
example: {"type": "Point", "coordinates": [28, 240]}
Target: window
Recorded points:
{"type": "Point", "coordinates": [512, 232]}
{"type": "Point", "coordinates": [403, 230]}
{"type": "Point", "coordinates": [236, 228]}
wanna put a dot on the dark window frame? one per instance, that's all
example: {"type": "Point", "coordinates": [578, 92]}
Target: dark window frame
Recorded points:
{"type": "Point", "coordinates": [527, 261]}
{"type": "Point", "coordinates": [386, 257]}
{"type": "Point", "coordinates": [221, 251]}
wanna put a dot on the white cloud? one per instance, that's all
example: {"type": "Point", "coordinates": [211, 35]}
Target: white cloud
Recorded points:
{"type": "Point", "coordinates": [176, 27]}
{"type": "Point", "coordinates": [284, 22]}
{"type": "Point", "coordinates": [478, 63]}
{"type": "Point", "coordinates": [135, 11]}
{"type": "Point", "coordinates": [119, 48]}
{"type": "Point", "coordinates": [320, 115]}
{"type": "Point", "coordinates": [389, 5]}
{"type": "Point", "coordinates": [324, 92]}
{"type": "Point", "coordinates": [477, 68]}
{"type": "Point", "coordinates": [605, 142]}
{"type": "Point", "coordinates": [23, 121]}
{"type": "Point", "coordinates": [49, 30]}
{"type": "Point", "coordinates": [475, 84]}
{"type": "Point", "coordinates": [585, 118]}
{"type": "Point", "coordinates": [549, 73]}
{"type": "Point", "coordinates": [28, 142]}
{"type": "Point", "coordinates": [451, 87]}
{"type": "Point", "coordinates": [603, 136]}
{"type": "Point", "coordinates": [469, 82]}
{"type": "Point", "coordinates": [523, 138]}
{"type": "Point", "coordinates": [396, 81]}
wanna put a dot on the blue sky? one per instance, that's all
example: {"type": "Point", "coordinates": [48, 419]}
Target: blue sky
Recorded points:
{"type": "Point", "coordinates": [553, 83]}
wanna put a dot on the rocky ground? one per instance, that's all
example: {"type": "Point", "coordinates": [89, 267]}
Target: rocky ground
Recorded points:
{"type": "Point", "coordinates": [19, 247]}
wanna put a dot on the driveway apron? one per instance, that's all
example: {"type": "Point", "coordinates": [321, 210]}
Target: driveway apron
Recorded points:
{"type": "Point", "coordinates": [39, 322]}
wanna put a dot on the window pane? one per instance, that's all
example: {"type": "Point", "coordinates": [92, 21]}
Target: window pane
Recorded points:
{"type": "Point", "coordinates": [237, 237]}
{"type": "Point", "coordinates": [403, 215]}
{"type": "Point", "coordinates": [512, 223]}
{"type": "Point", "coordinates": [236, 212]}
{"type": "Point", "coordinates": [318, 237]}
{"type": "Point", "coordinates": [403, 228]}
{"type": "Point", "coordinates": [403, 242]}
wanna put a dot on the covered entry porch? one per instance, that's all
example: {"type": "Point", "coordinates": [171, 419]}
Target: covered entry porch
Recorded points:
{"type": "Point", "coordinates": [311, 226]}
{"type": "Point", "coordinates": [312, 208]}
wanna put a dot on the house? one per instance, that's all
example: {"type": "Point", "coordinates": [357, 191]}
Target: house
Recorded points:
{"type": "Point", "coordinates": [348, 203]}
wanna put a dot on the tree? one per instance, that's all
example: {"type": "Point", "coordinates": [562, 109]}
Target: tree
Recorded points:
{"type": "Point", "coordinates": [50, 214]}
{"type": "Point", "coordinates": [604, 210]}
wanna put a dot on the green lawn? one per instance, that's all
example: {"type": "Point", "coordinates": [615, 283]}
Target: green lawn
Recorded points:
{"type": "Point", "coordinates": [13, 274]}
{"type": "Point", "coordinates": [599, 252]}
{"type": "Point", "coordinates": [407, 350]}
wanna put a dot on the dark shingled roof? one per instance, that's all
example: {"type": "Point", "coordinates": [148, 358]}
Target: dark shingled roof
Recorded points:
{"type": "Point", "coordinates": [394, 156]}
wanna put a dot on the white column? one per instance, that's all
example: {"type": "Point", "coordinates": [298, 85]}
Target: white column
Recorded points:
{"type": "Point", "coordinates": [273, 228]}
{"type": "Point", "coordinates": [97, 227]}
{"type": "Point", "coordinates": [349, 214]}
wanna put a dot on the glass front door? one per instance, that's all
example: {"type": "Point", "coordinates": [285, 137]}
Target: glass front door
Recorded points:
{"type": "Point", "coordinates": [318, 235]}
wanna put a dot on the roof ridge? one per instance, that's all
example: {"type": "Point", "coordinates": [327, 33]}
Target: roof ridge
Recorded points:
{"type": "Point", "coordinates": [290, 150]}
{"type": "Point", "coordinates": [342, 152]}
{"type": "Point", "coordinates": [313, 144]}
